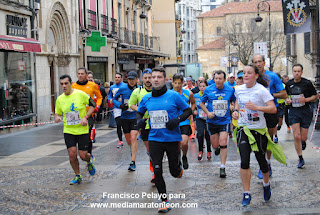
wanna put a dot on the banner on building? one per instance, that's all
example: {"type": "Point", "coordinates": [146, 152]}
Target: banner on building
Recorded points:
{"type": "Point", "coordinates": [234, 61]}
{"type": "Point", "coordinates": [296, 16]}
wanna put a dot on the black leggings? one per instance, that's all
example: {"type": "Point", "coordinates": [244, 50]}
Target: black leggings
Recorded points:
{"type": "Point", "coordinates": [245, 150]}
{"type": "Point", "coordinates": [156, 150]}
{"type": "Point", "coordinates": [203, 133]}
{"type": "Point", "coordinates": [119, 125]}
{"type": "Point", "coordinates": [286, 115]}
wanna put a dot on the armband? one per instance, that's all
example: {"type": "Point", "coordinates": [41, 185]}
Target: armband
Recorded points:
{"type": "Point", "coordinates": [86, 117]}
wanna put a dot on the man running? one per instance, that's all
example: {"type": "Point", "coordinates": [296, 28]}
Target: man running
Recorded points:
{"type": "Point", "coordinates": [128, 116]}
{"type": "Point", "coordinates": [166, 110]}
{"type": "Point", "coordinates": [134, 102]}
{"type": "Point", "coordinates": [72, 105]}
{"type": "Point", "coordinates": [277, 90]}
{"type": "Point", "coordinates": [116, 111]}
{"type": "Point", "coordinates": [302, 93]}
{"type": "Point", "coordinates": [218, 97]}
{"type": "Point", "coordinates": [185, 126]}
{"type": "Point", "coordinates": [92, 90]}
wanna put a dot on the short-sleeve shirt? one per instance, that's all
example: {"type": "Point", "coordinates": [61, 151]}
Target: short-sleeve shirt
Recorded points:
{"type": "Point", "coordinates": [296, 89]}
{"type": "Point", "coordinates": [219, 103]}
{"type": "Point", "coordinates": [161, 109]}
{"type": "Point", "coordinates": [257, 94]}
{"type": "Point", "coordinates": [124, 92]}
{"type": "Point", "coordinates": [201, 113]}
{"type": "Point", "coordinates": [73, 108]}
{"type": "Point", "coordinates": [185, 96]}
{"type": "Point", "coordinates": [275, 84]}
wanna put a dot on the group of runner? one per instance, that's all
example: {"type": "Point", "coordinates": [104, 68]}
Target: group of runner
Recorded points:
{"type": "Point", "coordinates": [164, 117]}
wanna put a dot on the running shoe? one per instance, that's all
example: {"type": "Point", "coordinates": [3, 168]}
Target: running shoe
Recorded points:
{"type": "Point", "coordinates": [289, 130]}
{"type": "Point", "coordinates": [260, 176]}
{"type": "Point", "coordinates": [266, 193]}
{"type": "Point", "coordinates": [120, 144]}
{"type": "Point", "coordinates": [217, 151]}
{"type": "Point", "coordinates": [185, 162]}
{"type": "Point", "coordinates": [181, 173]}
{"type": "Point", "coordinates": [132, 166]}
{"type": "Point", "coordinates": [153, 179]}
{"type": "Point", "coordinates": [150, 167]}
{"type": "Point", "coordinates": [275, 139]}
{"type": "Point", "coordinates": [223, 172]}
{"type": "Point", "coordinates": [200, 156]}
{"type": "Point", "coordinates": [165, 207]}
{"type": "Point", "coordinates": [246, 199]}
{"type": "Point", "coordinates": [301, 164]}
{"type": "Point", "coordinates": [91, 168]}
{"type": "Point", "coordinates": [209, 155]}
{"type": "Point", "coordinates": [76, 180]}
{"type": "Point", "coordinates": [192, 136]}
{"type": "Point", "coordinates": [304, 145]}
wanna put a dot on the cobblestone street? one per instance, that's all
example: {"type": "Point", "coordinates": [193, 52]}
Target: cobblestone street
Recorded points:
{"type": "Point", "coordinates": [34, 178]}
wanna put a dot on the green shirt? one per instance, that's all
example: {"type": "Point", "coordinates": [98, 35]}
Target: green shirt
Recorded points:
{"type": "Point", "coordinates": [73, 108]}
{"type": "Point", "coordinates": [136, 98]}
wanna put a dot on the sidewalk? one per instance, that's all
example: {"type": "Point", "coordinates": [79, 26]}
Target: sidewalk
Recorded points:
{"type": "Point", "coordinates": [35, 175]}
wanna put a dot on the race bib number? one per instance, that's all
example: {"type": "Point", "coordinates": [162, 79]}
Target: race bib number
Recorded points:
{"type": "Point", "coordinates": [295, 100]}
{"type": "Point", "coordinates": [126, 101]}
{"type": "Point", "coordinates": [158, 119]}
{"type": "Point", "coordinates": [73, 118]}
{"type": "Point", "coordinates": [202, 114]}
{"type": "Point", "coordinates": [220, 107]}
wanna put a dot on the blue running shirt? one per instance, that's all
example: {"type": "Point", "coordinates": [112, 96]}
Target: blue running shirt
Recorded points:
{"type": "Point", "coordinates": [275, 84]}
{"type": "Point", "coordinates": [219, 103]}
{"type": "Point", "coordinates": [185, 97]}
{"type": "Point", "coordinates": [161, 109]}
{"type": "Point", "coordinates": [201, 113]}
{"type": "Point", "coordinates": [124, 92]}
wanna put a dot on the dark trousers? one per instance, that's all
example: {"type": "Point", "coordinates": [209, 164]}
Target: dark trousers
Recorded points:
{"type": "Point", "coordinates": [203, 133]}
{"type": "Point", "coordinates": [119, 125]}
{"type": "Point", "coordinates": [156, 150]}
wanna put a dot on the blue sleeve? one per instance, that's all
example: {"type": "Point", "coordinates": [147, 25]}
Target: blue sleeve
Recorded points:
{"type": "Point", "coordinates": [233, 97]}
{"type": "Point", "coordinates": [110, 94]}
{"type": "Point", "coordinates": [116, 97]}
{"type": "Point", "coordinates": [278, 84]}
{"type": "Point", "coordinates": [182, 105]}
{"type": "Point", "coordinates": [142, 108]}
{"type": "Point", "coordinates": [204, 97]}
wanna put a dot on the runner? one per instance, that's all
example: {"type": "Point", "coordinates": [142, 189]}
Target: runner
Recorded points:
{"type": "Point", "coordinates": [253, 100]}
{"type": "Point", "coordinates": [164, 107]}
{"type": "Point", "coordinates": [128, 116]}
{"type": "Point", "coordinates": [202, 123]}
{"type": "Point", "coordinates": [285, 79]}
{"type": "Point", "coordinates": [231, 82]}
{"type": "Point", "coordinates": [302, 93]}
{"type": "Point", "coordinates": [92, 90]}
{"type": "Point", "coordinates": [185, 126]}
{"type": "Point", "coordinates": [117, 111]}
{"type": "Point", "coordinates": [72, 105]}
{"type": "Point", "coordinates": [218, 97]}
{"type": "Point", "coordinates": [277, 90]}
{"type": "Point", "coordinates": [134, 102]}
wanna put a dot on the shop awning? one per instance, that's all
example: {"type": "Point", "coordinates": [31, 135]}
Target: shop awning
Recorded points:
{"type": "Point", "coordinates": [20, 44]}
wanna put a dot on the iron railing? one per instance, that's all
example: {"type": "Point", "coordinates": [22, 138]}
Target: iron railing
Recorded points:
{"type": "Point", "coordinates": [104, 24]}
{"type": "Point", "coordinates": [114, 27]}
{"type": "Point", "coordinates": [134, 38]}
{"type": "Point", "coordinates": [141, 39]}
{"type": "Point", "coordinates": [92, 20]}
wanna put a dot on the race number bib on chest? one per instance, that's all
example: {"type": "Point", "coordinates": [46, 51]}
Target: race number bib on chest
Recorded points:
{"type": "Point", "coordinates": [73, 118]}
{"type": "Point", "coordinates": [158, 119]}
{"type": "Point", "coordinates": [295, 100]}
{"type": "Point", "coordinates": [220, 107]}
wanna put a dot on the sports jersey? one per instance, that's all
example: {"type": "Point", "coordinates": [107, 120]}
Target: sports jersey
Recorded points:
{"type": "Point", "coordinates": [136, 98]}
{"type": "Point", "coordinates": [201, 113]}
{"type": "Point", "coordinates": [231, 85]}
{"type": "Point", "coordinates": [73, 108]}
{"type": "Point", "coordinates": [161, 109]}
{"type": "Point", "coordinates": [257, 94]}
{"type": "Point", "coordinates": [112, 92]}
{"type": "Point", "coordinates": [296, 89]}
{"type": "Point", "coordinates": [275, 84]}
{"type": "Point", "coordinates": [91, 89]}
{"type": "Point", "coordinates": [125, 93]}
{"type": "Point", "coordinates": [219, 103]}
{"type": "Point", "coordinates": [185, 97]}
{"type": "Point", "coordinates": [210, 82]}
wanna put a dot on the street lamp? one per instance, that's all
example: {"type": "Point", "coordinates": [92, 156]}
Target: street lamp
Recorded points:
{"type": "Point", "coordinates": [143, 16]}
{"type": "Point", "coordinates": [230, 65]}
{"type": "Point", "coordinates": [262, 6]}
{"type": "Point", "coordinates": [318, 55]}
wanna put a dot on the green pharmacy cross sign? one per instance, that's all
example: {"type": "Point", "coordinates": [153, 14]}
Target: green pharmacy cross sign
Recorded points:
{"type": "Point", "coordinates": [96, 41]}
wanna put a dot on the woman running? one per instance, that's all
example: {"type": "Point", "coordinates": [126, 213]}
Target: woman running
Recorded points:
{"type": "Point", "coordinates": [201, 122]}
{"type": "Point", "coordinates": [253, 100]}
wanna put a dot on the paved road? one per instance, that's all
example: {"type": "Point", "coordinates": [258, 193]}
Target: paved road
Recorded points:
{"type": "Point", "coordinates": [35, 175]}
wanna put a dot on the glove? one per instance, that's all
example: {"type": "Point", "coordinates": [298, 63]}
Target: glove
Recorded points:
{"type": "Point", "coordinates": [141, 123]}
{"type": "Point", "coordinates": [96, 109]}
{"type": "Point", "coordinates": [124, 107]}
{"type": "Point", "coordinates": [172, 123]}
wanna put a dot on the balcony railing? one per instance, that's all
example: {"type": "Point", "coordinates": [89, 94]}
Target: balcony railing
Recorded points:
{"type": "Point", "coordinates": [114, 27]}
{"type": "Point", "coordinates": [151, 42]}
{"type": "Point", "coordinates": [124, 36]}
{"type": "Point", "coordinates": [104, 24]}
{"type": "Point", "coordinates": [141, 39]}
{"type": "Point", "coordinates": [146, 41]}
{"type": "Point", "coordinates": [134, 38]}
{"type": "Point", "coordinates": [92, 20]}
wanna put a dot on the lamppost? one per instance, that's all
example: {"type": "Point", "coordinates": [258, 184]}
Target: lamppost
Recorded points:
{"type": "Point", "coordinates": [143, 16]}
{"type": "Point", "coordinates": [263, 6]}
{"type": "Point", "coordinates": [235, 43]}
{"type": "Point", "coordinates": [318, 55]}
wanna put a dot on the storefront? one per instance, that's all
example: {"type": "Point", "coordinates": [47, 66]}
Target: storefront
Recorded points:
{"type": "Point", "coordinates": [17, 90]}
{"type": "Point", "coordinates": [98, 66]}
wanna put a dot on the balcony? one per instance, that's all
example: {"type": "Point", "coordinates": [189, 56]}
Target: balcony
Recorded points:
{"type": "Point", "coordinates": [124, 36]}
{"type": "Point", "coordinates": [141, 39]}
{"type": "Point", "coordinates": [114, 27]}
{"type": "Point", "coordinates": [146, 41]}
{"type": "Point", "coordinates": [92, 20]}
{"type": "Point", "coordinates": [104, 24]}
{"type": "Point", "coordinates": [134, 38]}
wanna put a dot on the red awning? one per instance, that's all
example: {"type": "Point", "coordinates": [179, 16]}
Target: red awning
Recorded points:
{"type": "Point", "coordinates": [20, 44]}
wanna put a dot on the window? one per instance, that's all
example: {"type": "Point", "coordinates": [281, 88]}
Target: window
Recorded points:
{"type": "Point", "coordinates": [189, 58]}
{"type": "Point", "coordinates": [212, 0]}
{"type": "Point", "coordinates": [219, 31]}
{"type": "Point", "coordinates": [307, 40]}
{"type": "Point", "coordinates": [212, 7]}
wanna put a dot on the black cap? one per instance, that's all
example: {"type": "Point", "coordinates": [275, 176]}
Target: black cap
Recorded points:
{"type": "Point", "coordinates": [132, 75]}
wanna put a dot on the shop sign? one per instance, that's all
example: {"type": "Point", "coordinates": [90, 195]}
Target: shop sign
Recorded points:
{"type": "Point", "coordinates": [97, 59]}
{"type": "Point", "coordinates": [16, 26]}
{"type": "Point", "coordinates": [125, 59]}
{"type": "Point", "coordinates": [144, 61]}
{"type": "Point", "coordinates": [21, 65]}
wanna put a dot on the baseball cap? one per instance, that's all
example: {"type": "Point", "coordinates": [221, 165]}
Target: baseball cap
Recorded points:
{"type": "Point", "coordinates": [132, 75]}
{"type": "Point", "coordinates": [240, 75]}
{"type": "Point", "coordinates": [231, 75]}
{"type": "Point", "coordinates": [147, 70]}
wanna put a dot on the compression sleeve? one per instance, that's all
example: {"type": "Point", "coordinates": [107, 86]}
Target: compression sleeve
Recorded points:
{"type": "Point", "coordinates": [92, 103]}
{"type": "Point", "coordinates": [186, 113]}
